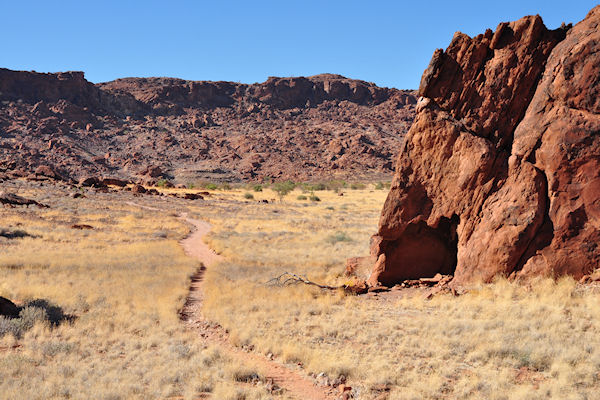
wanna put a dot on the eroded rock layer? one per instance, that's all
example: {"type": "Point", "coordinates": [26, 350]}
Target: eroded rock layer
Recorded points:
{"type": "Point", "coordinates": [300, 128]}
{"type": "Point", "coordinates": [500, 172]}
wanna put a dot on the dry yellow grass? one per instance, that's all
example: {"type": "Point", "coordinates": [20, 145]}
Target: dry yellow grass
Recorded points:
{"type": "Point", "coordinates": [124, 281]}
{"type": "Point", "coordinates": [500, 341]}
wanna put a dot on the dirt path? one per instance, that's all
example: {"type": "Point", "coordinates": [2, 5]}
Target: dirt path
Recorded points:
{"type": "Point", "coordinates": [277, 374]}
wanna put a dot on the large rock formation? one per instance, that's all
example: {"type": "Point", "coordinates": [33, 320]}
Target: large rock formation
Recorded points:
{"type": "Point", "coordinates": [285, 128]}
{"type": "Point", "coordinates": [500, 172]}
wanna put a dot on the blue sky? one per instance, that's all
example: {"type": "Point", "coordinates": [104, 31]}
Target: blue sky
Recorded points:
{"type": "Point", "coordinates": [386, 42]}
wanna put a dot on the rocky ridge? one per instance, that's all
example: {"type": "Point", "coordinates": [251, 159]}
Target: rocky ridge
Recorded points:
{"type": "Point", "coordinates": [63, 127]}
{"type": "Point", "coordinates": [500, 172]}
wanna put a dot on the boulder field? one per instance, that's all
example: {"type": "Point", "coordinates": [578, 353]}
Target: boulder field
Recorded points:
{"type": "Point", "coordinates": [62, 126]}
{"type": "Point", "coordinates": [500, 172]}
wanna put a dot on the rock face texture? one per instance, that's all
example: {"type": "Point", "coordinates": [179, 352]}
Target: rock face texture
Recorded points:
{"type": "Point", "coordinates": [500, 172]}
{"type": "Point", "coordinates": [285, 128]}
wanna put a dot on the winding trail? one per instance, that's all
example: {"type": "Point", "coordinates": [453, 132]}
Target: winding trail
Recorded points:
{"type": "Point", "coordinates": [277, 375]}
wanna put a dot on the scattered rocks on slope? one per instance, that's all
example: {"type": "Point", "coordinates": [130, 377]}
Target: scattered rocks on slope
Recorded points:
{"type": "Point", "coordinates": [200, 130]}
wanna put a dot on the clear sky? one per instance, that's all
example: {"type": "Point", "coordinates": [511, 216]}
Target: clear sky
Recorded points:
{"type": "Point", "coordinates": [386, 42]}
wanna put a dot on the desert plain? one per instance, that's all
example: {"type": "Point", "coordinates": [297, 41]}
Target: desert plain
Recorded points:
{"type": "Point", "coordinates": [308, 237]}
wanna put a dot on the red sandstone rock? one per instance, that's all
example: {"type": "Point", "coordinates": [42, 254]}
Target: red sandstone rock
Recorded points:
{"type": "Point", "coordinates": [153, 172]}
{"type": "Point", "coordinates": [46, 170]}
{"type": "Point", "coordinates": [357, 288]}
{"type": "Point", "coordinates": [500, 172]}
{"type": "Point", "coordinates": [82, 226]}
{"type": "Point", "coordinates": [114, 182]}
{"type": "Point", "coordinates": [139, 189]}
{"type": "Point", "coordinates": [92, 181]}
{"type": "Point", "coordinates": [193, 196]}
{"type": "Point", "coordinates": [559, 138]}
{"type": "Point", "coordinates": [359, 266]}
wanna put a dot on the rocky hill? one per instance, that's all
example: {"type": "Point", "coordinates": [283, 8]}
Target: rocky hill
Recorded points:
{"type": "Point", "coordinates": [319, 127]}
{"type": "Point", "coordinates": [500, 172]}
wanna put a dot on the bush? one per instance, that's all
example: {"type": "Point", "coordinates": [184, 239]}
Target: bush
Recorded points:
{"type": "Point", "coordinates": [54, 313]}
{"type": "Point", "coordinates": [358, 186]}
{"type": "Point", "coordinates": [315, 186]}
{"type": "Point", "coordinates": [331, 185]}
{"type": "Point", "coordinates": [283, 188]}
{"type": "Point", "coordinates": [258, 188]}
{"type": "Point", "coordinates": [8, 326]}
{"type": "Point", "coordinates": [336, 186]}
{"type": "Point", "coordinates": [226, 186]}
{"type": "Point", "coordinates": [301, 197]}
{"type": "Point", "coordinates": [190, 185]}
{"type": "Point", "coordinates": [211, 186]}
{"type": "Point", "coordinates": [314, 198]}
{"type": "Point", "coordinates": [16, 234]}
{"type": "Point", "coordinates": [161, 183]}
{"type": "Point", "coordinates": [248, 196]}
{"type": "Point", "coordinates": [28, 317]}
{"type": "Point", "coordinates": [379, 186]}
{"type": "Point", "coordinates": [245, 374]}
{"type": "Point", "coordinates": [51, 349]}
{"type": "Point", "coordinates": [338, 237]}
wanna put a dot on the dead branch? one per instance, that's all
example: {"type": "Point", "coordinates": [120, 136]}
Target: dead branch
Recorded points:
{"type": "Point", "coordinates": [287, 279]}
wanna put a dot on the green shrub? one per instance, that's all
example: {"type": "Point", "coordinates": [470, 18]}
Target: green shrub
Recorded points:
{"type": "Point", "coordinates": [338, 237]}
{"type": "Point", "coordinates": [161, 183]}
{"type": "Point", "coordinates": [211, 186]}
{"type": "Point", "coordinates": [336, 186]}
{"type": "Point", "coordinates": [283, 188]}
{"type": "Point", "coordinates": [358, 186]}
{"type": "Point", "coordinates": [317, 186]}
{"type": "Point", "coordinates": [301, 197]}
{"type": "Point", "coordinates": [314, 198]}
{"type": "Point", "coordinates": [258, 188]}
{"type": "Point", "coordinates": [379, 186]}
{"type": "Point", "coordinates": [190, 185]}
{"type": "Point", "coordinates": [248, 196]}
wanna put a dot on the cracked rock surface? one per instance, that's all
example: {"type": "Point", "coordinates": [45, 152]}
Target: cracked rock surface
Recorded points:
{"type": "Point", "coordinates": [500, 172]}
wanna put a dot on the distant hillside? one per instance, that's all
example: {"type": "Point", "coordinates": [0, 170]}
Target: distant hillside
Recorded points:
{"type": "Point", "coordinates": [319, 127]}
